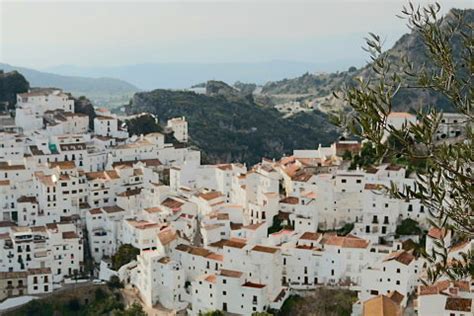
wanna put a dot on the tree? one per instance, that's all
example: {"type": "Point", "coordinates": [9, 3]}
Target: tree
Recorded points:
{"type": "Point", "coordinates": [366, 158]}
{"type": "Point", "coordinates": [84, 105]}
{"type": "Point", "coordinates": [114, 282]}
{"type": "Point", "coordinates": [12, 83]}
{"type": "Point", "coordinates": [74, 305]}
{"type": "Point", "coordinates": [124, 255]}
{"type": "Point", "coordinates": [346, 229]}
{"type": "Point", "coordinates": [445, 185]}
{"type": "Point", "coordinates": [408, 227]}
{"type": "Point", "coordinates": [143, 124]}
{"type": "Point", "coordinates": [352, 69]}
{"type": "Point", "coordinates": [100, 294]}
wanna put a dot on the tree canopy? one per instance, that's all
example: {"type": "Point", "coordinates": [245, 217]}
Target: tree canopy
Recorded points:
{"type": "Point", "coordinates": [124, 255]}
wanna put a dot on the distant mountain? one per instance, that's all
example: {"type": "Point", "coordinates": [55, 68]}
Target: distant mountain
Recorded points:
{"type": "Point", "coordinates": [99, 90]}
{"type": "Point", "coordinates": [319, 87]}
{"type": "Point", "coordinates": [184, 75]}
{"type": "Point", "coordinates": [228, 126]}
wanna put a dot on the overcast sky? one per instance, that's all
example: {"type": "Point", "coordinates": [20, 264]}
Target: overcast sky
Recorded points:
{"type": "Point", "coordinates": [41, 34]}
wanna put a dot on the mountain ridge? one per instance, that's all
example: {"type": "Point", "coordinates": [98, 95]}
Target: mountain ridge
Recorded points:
{"type": "Point", "coordinates": [181, 75]}
{"type": "Point", "coordinates": [100, 90]}
{"type": "Point", "coordinates": [319, 87]}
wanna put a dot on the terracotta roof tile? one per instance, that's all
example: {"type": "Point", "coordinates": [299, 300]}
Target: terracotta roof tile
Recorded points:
{"type": "Point", "coordinates": [230, 273]}
{"type": "Point", "coordinates": [266, 249]}
{"type": "Point", "coordinates": [290, 200]}
{"type": "Point", "coordinates": [401, 256]}
{"type": "Point", "coordinates": [348, 241]}
{"type": "Point", "coordinates": [458, 304]}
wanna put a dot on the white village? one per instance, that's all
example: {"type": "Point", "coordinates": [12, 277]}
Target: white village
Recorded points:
{"type": "Point", "coordinates": [229, 237]}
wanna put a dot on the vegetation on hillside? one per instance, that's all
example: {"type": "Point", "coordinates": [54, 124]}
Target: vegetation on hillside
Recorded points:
{"type": "Point", "coordinates": [12, 83]}
{"type": "Point", "coordinates": [235, 128]}
{"type": "Point", "coordinates": [245, 88]}
{"type": "Point", "coordinates": [320, 302]}
{"type": "Point", "coordinates": [409, 46]}
{"type": "Point", "coordinates": [88, 301]}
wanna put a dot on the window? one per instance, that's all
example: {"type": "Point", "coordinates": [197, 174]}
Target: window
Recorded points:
{"type": "Point", "coordinates": [343, 180]}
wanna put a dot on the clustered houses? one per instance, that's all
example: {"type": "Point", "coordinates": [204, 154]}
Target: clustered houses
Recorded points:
{"type": "Point", "coordinates": [230, 237]}
{"type": "Point", "coordinates": [61, 182]}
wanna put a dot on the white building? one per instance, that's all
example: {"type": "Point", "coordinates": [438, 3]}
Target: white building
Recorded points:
{"type": "Point", "coordinates": [179, 126]}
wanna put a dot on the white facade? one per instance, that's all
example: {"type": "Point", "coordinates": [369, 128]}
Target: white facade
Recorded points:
{"type": "Point", "coordinates": [204, 239]}
{"type": "Point", "coordinates": [179, 126]}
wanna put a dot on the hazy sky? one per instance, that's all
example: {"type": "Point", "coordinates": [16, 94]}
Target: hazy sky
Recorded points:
{"type": "Point", "coordinates": [41, 34]}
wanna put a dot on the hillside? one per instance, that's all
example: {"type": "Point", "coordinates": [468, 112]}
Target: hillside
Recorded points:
{"type": "Point", "coordinates": [11, 83]}
{"type": "Point", "coordinates": [319, 87]}
{"type": "Point", "coordinates": [99, 90]}
{"type": "Point", "coordinates": [236, 129]}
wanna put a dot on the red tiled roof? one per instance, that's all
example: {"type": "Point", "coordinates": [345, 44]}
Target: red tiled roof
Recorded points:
{"type": "Point", "coordinates": [290, 200]}
{"type": "Point", "coordinates": [458, 304]}
{"type": "Point", "coordinates": [266, 249]}
{"type": "Point", "coordinates": [230, 273]}
{"type": "Point", "coordinates": [254, 285]}
{"type": "Point", "coordinates": [401, 256]}
{"type": "Point", "coordinates": [70, 235]}
{"type": "Point", "coordinates": [310, 236]}
{"type": "Point", "coordinates": [348, 241]}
